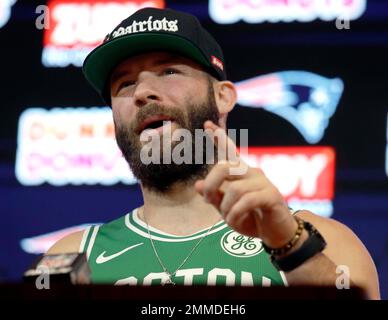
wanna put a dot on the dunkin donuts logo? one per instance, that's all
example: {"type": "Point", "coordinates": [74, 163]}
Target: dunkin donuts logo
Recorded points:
{"type": "Point", "coordinates": [147, 25]}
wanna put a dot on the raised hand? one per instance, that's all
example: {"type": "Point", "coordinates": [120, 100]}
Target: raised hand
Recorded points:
{"type": "Point", "coordinates": [248, 201]}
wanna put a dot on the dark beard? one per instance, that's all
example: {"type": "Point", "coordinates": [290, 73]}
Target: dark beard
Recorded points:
{"type": "Point", "coordinates": [160, 177]}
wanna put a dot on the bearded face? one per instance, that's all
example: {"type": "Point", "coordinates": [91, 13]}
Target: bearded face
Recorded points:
{"type": "Point", "coordinates": [159, 176]}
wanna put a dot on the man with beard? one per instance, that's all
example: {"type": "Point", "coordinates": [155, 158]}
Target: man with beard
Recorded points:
{"type": "Point", "coordinates": [220, 223]}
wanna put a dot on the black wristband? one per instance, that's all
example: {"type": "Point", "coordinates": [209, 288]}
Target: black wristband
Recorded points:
{"type": "Point", "coordinates": [314, 244]}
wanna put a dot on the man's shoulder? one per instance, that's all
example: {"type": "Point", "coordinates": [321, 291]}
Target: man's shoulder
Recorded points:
{"type": "Point", "coordinates": [72, 242]}
{"type": "Point", "coordinates": [68, 244]}
{"type": "Point", "coordinates": [325, 225]}
{"type": "Point", "coordinates": [345, 249]}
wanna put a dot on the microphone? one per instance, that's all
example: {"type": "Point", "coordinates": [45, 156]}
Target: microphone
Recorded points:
{"type": "Point", "coordinates": [66, 268]}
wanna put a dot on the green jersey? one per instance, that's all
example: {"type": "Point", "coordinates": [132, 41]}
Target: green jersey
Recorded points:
{"type": "Point", "coordinates": [120, 252]}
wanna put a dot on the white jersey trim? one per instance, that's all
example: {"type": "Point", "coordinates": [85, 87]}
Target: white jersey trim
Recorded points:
{"type": "Point", "coordinates": [140, 222]}
{"type": "Point", "coordinates": [283, 278]}
{"type": "Point", "coordinates": [84, 238]}
{"type": "Point", "coordinates": [91, 242]}
{"type": "Point", "coordinates": [134, 228]}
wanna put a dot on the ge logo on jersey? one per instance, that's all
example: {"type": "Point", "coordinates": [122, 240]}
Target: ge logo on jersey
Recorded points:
{"type": "Point", "coordinates": [237, 245]}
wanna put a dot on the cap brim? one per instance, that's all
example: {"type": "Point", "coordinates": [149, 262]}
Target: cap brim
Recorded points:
{"type": "Point", "coordinates": [102, 60]}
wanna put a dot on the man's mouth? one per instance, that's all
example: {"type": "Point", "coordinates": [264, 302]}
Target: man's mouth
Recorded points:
{"type": "Point", "coordinates": [155, 123]}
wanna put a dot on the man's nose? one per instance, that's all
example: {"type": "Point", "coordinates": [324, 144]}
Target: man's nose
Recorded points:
{"type": "Point", "coordinates": [146, 90]}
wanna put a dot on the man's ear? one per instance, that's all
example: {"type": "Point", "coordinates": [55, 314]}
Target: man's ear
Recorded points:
{"type": "Point", "coordinates": [226, 96]}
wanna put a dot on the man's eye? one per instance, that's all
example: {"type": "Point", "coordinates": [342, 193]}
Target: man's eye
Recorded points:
{"type": "Point", "coordinates": [125, 84]}
{"type": "Point", "coordinates": [169, 71]}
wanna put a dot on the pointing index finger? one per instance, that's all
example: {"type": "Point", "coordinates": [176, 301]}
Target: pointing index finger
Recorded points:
{"type": "Point", "coordinates": [227, 149]}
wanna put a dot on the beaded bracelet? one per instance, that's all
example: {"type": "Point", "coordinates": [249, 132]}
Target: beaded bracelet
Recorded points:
{"type": "Point", "coordinates": [289, 245]}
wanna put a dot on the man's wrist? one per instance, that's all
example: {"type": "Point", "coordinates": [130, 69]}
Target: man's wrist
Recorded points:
{"type": "Point", "coordinates": [306, 249]}
{"type": "Point", "coordinates": [303, 237]}
{"type": "Point", "coordinates": [283, 234]}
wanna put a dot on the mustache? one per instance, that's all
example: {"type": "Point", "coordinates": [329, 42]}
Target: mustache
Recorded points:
{"type": "Point", "coordinates": [156, 109]}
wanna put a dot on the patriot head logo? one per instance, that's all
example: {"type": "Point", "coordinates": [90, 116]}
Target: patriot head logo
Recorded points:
{"type": "Point", "coordinates": [305, 99]}
{"type": "Point", "coordinates": [5, 11]}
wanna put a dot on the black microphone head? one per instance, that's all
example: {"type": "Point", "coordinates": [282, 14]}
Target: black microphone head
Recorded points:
{"type": "Point", "coordinates": [59, 268]}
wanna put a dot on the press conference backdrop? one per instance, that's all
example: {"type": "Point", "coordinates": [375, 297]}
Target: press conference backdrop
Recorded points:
{"type": "Point", "coordinates": [312, 93]}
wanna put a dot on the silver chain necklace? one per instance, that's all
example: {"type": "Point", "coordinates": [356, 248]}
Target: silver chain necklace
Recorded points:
{"type": "Point", "coordinates": [168, 273]}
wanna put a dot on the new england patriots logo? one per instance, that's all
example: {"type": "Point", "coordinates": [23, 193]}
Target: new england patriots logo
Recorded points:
{"type": "Point", "coordinates": [305, 99]}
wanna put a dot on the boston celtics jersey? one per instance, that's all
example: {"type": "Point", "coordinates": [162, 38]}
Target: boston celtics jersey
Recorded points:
{"type": "Point", "coordinates": [121, 253]}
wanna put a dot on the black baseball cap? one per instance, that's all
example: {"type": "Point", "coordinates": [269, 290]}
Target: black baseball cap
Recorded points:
{"type": "Point", "coordinates": [153, 29]}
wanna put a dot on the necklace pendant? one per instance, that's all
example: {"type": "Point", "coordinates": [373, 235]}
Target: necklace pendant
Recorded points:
{"type": "Point", "coordinates": [169, 282]}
